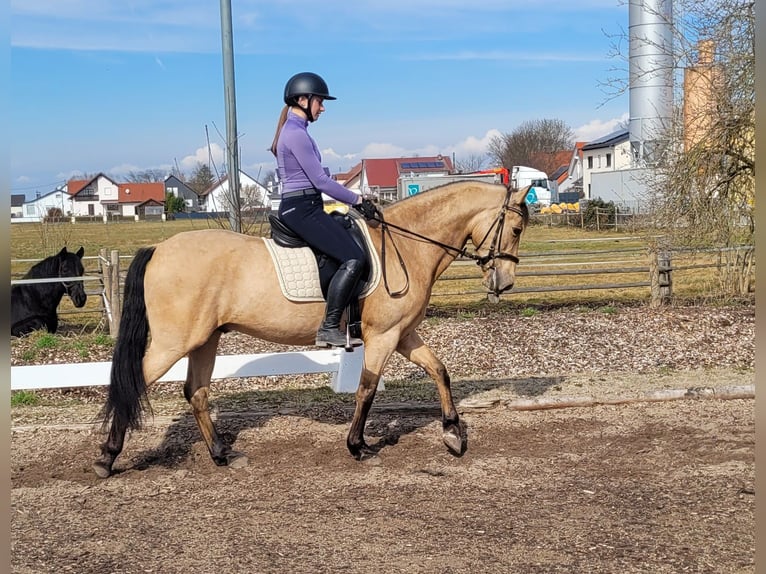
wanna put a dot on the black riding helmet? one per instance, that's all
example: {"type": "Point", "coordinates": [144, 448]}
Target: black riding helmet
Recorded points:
{"type": "Point", "coordinates": [306, 84]}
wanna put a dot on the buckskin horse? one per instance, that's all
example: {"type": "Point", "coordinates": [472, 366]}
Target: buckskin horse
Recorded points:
{"type": "Point", "coordinates": [34, 305]}
{"type": "Point", "coordinates": [226, 281]}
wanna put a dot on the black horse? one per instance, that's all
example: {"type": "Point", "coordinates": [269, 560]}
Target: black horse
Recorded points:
{"type": "Point", "coordinates": [33, 306]}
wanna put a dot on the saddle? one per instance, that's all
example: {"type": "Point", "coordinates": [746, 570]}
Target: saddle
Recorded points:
{"type": "Point", "coordinates": [284, 236]}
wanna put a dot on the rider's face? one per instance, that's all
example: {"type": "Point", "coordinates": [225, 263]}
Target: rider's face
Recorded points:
{"type": "Point", "coordinates": [317, 106]}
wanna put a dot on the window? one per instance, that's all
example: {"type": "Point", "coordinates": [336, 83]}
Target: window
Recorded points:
{"type": "Point", "coordinates": [608, 160]}
{"type": "Point", "coordinates": [590, 162]}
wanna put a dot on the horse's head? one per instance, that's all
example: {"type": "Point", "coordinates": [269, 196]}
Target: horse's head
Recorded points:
{"type": "Point", "coordinates": [497, 240]}
{"type": "Point", "coordinates": [70, 265]}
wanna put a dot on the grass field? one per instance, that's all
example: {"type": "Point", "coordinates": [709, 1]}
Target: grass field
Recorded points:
{"type": "Point", "coordinates": [544, 249]}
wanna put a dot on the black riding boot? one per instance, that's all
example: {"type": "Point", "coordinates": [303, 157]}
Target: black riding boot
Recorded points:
{"type": "Point", "coordinates": [338, 295]}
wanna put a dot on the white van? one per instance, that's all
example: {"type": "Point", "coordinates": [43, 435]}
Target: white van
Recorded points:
{"type": "Point", "coordinates": [540, 193]}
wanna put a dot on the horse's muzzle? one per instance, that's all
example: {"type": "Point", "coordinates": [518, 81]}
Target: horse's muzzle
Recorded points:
{"type": "Point", "coordinates": [78, 296]}
{"type": "Point", "coordinates": [497, 282]}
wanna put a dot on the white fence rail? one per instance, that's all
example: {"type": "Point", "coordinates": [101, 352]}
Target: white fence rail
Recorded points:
{"type": "Point", "coordinates": [346, 368]}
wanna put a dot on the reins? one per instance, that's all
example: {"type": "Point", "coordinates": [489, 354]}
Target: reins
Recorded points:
{"type": "Point", "coordinates": [480, 260]}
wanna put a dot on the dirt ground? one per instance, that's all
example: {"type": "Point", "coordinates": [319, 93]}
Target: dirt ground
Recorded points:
{"type": "Point", "coordinates": [638, 487]}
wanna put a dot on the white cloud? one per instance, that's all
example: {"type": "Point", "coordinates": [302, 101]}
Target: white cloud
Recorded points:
{"type": "Point", "coordinates": [595, 129]}
{"type": "Point", "coordinates": [258, 169]}
{"type": "Point", "coordinates": [473, 146]}
{"type": "Point", "coordinates": [382, 150]}
{"type": "Point", "coordinates": [331, 154]}
{"type": "Point", "coordinates": [123, 169]}
{"type": "Point", "coordinates": [71, 174]}
{"type": "Point", "coordinates": [203, 155]}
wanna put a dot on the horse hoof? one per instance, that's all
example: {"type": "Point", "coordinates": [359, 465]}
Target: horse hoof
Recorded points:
{"type": "Point", "coordinates": [454, 442]}
{"type": "Point", "coordinates": [102, 470]}
{"type": "Point", "coordinates": [366, 453]}
{"type": "Point", "coordinates": [360, 451]}
{"type": "Point", "coordinates": [236, 460]}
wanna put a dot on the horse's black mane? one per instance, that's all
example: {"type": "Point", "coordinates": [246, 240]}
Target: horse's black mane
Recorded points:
{"type": "Point", "coordinates": [42, 269]}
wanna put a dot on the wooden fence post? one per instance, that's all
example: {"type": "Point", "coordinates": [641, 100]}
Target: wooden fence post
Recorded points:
{"type": "Point", "coordinates": [660, 276]}
{"type": "Point", "coordinates": [114, 272]}
{"type": "Point", "coordinates": [106, 286]}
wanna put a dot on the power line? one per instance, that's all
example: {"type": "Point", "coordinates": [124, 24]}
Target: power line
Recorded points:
{"type": "Point", "coordinates": [38, 186]}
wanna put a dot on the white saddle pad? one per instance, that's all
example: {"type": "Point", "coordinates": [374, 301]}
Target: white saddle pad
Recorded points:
{"type": "Point", "coordinates": [298, 272]}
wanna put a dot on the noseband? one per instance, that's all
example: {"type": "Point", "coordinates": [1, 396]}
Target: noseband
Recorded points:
{"type": "Point", "coordinates": [498, 226]}
{"type": "Point", "coordinates": [67, 284]}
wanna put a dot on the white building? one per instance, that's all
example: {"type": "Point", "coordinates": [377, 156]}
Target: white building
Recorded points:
{"type": "Point", "coordinates": [36, 210]}
{"type": "Point", "coordinates": [606, 154]}
{"type": "Point", "coordinates": [252, 195]}
{"type": "Point", "coordinates": [95, 196]}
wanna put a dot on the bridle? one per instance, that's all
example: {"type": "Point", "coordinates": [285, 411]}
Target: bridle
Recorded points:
{"type": "Point", "coordinates": [67, 284]}
{"type": "Point", "coordinates": [498, 226]}
{"type": "Point", "coordinates": [484, 261]}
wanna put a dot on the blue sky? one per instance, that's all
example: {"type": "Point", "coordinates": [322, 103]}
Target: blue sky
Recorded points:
{"type": "Point", "coordinates": [113, 87]}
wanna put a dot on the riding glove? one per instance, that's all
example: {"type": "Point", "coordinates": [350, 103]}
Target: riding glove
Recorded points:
{"type": "Point", "coordinates": [367, 208]}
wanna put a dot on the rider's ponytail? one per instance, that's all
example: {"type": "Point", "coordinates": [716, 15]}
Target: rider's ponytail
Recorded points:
{"type": "Point", "coordinates": [280, 123]}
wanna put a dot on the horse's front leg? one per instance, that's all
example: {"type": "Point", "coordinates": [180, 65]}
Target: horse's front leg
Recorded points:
{"type": "Point", "coordinates": [52, 322]}
{"type": "Point", "coordinates": [413, 348]}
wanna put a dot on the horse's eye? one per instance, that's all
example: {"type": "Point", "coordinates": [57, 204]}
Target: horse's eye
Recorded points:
{"type": "Point", "coordinates": [516, 231]}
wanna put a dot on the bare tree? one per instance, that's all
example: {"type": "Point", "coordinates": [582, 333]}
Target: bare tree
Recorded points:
{"type": "Point", "coordinates": [534, 143]}
{"type": "Point", "coordinates": [471, 162]}
{"type": "Point", "coordinates": [703, 187]}
{"type": "Point", "coordinates": [202, 178]}
{"type": "Point", "coordinates": [146, 176]}
{"type": "Point", "coordinates": [270, 176]}
{"type": "Point", "coordinates": [251, 198]}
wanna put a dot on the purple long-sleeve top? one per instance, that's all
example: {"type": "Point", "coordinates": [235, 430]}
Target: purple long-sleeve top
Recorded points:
{"type": "Point", "coordinates": [299, 162]}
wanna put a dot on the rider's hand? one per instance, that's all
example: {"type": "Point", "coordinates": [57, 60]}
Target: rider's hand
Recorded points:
{"type": "Point", "coordinates": [367, 208]}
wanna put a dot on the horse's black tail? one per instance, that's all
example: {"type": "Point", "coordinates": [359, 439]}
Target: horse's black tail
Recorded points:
{"type": "Point", "coordinates": [127, 388]}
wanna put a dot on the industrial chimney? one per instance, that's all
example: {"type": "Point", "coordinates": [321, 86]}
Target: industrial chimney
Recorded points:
{"type": "Point", "coordinates": [650, 34]}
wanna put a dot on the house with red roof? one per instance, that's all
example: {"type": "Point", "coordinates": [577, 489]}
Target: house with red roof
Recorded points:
{"type": "Point", "coordinates": [380, 177]}
{"type": "Point", "coordinates": [102, 196]}
{"type": "Point", "coordinates": [572, 183]}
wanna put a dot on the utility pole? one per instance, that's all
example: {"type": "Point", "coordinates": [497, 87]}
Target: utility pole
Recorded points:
{"type": "Point", "coordinates": [232, 147]}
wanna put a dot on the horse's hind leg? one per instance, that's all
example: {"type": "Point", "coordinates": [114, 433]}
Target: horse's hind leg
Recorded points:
{"type": "Point", "coordinates": [155, 363]}
{"type": "Point", "coordinates": [413, 348]}
{"type": "Point", "coordinates": [111, 449]}
{"type": "Point", "coordinates": [201, 363]}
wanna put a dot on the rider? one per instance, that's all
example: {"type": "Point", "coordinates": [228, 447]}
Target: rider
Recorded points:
{"type": "Point", "coordinates": [303, 180]}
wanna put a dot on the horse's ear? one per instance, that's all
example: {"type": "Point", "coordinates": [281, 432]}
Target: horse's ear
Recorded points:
{"type": "Point", "coordinates": [62, 253]}
{"type": "Point", "coordinates": [80, 252]}
{"type": "Point", "coordinates": [520, 195]}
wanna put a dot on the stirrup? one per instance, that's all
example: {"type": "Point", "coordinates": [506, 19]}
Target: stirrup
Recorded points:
{"type": "Point", "coordinates": [334, 338]}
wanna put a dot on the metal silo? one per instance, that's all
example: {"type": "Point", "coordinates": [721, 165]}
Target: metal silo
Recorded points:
{"type": "Point", "coordinates": [650, 31]}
